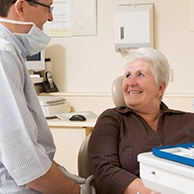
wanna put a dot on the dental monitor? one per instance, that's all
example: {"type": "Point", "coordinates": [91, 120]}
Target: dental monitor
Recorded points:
{"type": "Point", "coordinates": [36, 62]}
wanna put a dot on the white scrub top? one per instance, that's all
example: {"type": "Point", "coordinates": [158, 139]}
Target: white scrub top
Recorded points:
{"type": "Point", "coordinates": [26, 143]}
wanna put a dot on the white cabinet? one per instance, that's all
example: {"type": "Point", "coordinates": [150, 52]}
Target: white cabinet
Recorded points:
{"type": "Point", "coordinates": [68, 136]}
{"type": "Point", "coordinates": [68, 141]}
{"type": "Point", "coordinates": [165, 176]}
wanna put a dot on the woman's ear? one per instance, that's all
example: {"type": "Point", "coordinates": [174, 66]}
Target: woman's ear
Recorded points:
{"type": "Point", "coordinates": [162, 88]}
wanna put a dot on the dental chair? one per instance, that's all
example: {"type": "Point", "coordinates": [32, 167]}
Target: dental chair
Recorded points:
{"type": "Point", "coordinates": [117, 94]}
{"type": "Point", "coordinates": [84, 169]}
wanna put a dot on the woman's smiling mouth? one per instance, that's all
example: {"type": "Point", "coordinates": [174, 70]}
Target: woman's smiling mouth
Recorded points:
{"type": "Point", "coordinates": [135, 92]}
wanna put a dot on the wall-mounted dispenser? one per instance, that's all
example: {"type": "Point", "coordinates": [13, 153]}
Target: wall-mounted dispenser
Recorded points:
{"type": "Point", "coordinates": [133, 26]}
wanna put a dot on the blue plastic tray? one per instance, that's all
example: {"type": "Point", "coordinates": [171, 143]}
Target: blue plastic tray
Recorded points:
{"type": "Point", "coordinates": [178, 153]}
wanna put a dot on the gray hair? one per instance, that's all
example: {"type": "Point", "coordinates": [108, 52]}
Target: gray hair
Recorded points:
{"type": "Point", "coordinates": [158, 62]}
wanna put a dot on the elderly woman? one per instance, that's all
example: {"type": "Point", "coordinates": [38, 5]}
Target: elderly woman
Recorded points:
{"type": "Point", "coordinates": [121, 133]}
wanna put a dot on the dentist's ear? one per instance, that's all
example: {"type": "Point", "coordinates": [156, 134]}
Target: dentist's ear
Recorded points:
{"type": "Point", "coordinates": [19, 7]}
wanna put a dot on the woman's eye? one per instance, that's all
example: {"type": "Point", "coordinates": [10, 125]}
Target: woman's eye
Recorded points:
{"type": "Point", "coordinates": [128, 75]}
{"type": "Point", "coordinates": [141, 75]}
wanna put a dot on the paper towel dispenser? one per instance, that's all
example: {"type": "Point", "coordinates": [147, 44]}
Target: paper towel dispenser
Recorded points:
{"type": "Point", "coordinates": [133, 26]}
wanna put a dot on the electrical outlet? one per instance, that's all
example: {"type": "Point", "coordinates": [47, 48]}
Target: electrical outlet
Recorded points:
{"type": "Point", "coordinates": [192, 105]}
{"type": "Point", "coordinates": [171, 79]}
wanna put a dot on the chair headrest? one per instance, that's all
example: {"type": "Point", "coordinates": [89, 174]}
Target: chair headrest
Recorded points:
{"type": "Point", "coordinates": [117, 94]}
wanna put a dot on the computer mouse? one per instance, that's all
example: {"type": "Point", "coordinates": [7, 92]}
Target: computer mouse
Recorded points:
{"type": "Point", "coordinates": [77, 117]}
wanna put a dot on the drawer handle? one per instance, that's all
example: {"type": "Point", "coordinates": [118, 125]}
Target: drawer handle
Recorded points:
{"type": "Point", "coordinates": [153, 172]}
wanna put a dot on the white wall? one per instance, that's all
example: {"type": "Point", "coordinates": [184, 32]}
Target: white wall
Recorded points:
{"type": "Point", "coordinates": [175, 40]}
{"type": "Point", "coordinates": [90, 64]}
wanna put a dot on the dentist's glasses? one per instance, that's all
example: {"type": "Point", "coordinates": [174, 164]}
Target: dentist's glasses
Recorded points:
{"type": "Point", "coordinates": [33, 2]}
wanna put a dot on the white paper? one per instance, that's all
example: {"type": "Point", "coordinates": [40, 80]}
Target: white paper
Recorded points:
{"type": "Point", "coordinates": [61, 24]}
{"type": "Point", "coordinates": [72, 18]}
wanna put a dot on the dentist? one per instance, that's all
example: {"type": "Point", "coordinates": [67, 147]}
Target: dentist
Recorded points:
{"type": "Point", "coordinates": [26, 144]}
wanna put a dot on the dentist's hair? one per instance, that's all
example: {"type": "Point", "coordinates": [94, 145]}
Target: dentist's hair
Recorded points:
{"type": "Point", "coordinates": [5, 6]}
{"type": "Point", "coordinates": [158, 62]}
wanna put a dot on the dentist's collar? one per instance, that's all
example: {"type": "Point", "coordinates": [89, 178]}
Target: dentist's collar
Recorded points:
{"type": "Point", "coordinates": [15, 21]}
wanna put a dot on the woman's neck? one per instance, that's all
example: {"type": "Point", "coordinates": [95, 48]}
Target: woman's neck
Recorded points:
{"type": "Point", "coordinates": [151, 118]}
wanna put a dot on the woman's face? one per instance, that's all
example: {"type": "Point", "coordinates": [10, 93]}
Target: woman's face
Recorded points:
{"type": "Point", "coordinates": [140, 88]}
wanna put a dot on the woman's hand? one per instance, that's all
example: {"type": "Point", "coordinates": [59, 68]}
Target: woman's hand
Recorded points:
{"type": "Point", "coordinates": [137, 187]}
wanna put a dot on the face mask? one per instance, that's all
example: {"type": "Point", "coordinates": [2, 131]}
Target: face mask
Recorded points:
{"type": "Point", "coordinates": [34, 41]}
